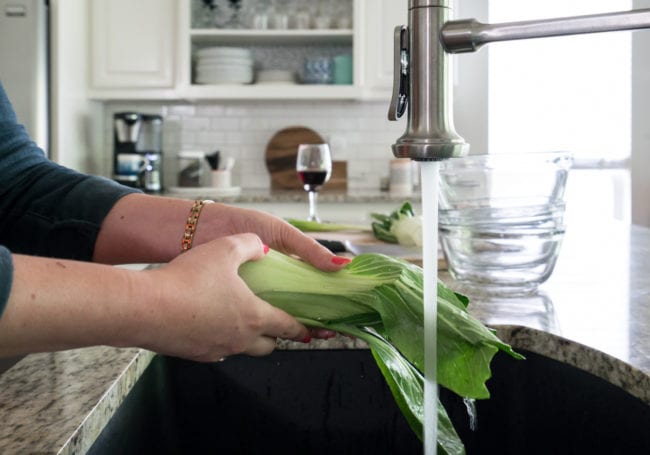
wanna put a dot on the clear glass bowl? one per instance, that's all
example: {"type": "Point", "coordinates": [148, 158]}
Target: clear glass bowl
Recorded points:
{"type": "Point", "coordinates": [502, 219]}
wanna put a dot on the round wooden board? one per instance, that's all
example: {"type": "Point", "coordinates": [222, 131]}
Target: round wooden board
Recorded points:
{"type": "Point", "coordinates": [281, 152]}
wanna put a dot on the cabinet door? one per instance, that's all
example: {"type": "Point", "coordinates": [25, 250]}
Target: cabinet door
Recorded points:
{"type": "Point", "coordinates": [381, 18]}
{"type": "Point", "coordinates": [133, 43]}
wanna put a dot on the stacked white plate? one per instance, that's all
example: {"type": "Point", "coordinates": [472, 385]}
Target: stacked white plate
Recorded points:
{"type": "Point", "coordinates": [224, 65]}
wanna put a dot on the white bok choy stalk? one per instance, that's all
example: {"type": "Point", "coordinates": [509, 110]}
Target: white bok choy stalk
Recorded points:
{"type": "Point", "coordinates": [379, 299]}
{"type": "Point", "coordinates": [401, 226]}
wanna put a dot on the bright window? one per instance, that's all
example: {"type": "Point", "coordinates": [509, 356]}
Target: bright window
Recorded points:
{"type": "Point", "coordinates": [571, 93]}
{"type": "Point", "coordinates": [567, 93]}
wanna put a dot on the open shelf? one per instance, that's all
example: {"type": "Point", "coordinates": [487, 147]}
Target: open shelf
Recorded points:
{"type": "Point", "coordinates": [270, 37]}
{"type": "Point", "coordinates": [272, 92]}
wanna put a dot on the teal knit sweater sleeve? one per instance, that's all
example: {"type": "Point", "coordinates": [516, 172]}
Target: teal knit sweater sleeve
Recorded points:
{"type": "Point", "coordinates": [6, 276]}
{"type": "Point", "coordinates": [45, 209]}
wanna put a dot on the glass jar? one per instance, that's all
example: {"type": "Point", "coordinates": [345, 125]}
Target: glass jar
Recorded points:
{"type": "Point", "coordinates": [192, 169]}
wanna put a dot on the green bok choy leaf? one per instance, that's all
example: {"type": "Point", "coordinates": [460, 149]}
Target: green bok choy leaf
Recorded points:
{"type": "Point", "coordinates": [379, 299]}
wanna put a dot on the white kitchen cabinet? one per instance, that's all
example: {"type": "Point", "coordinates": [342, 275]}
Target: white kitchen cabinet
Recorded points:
{"type": "Point", "coordinates": [143, 49]}
{"type": "Point", "coordinates": [264, 43]}
{"type": "Point", "coordinates": [380, 19]}
{"type": "Point", "coordinates": [133, 47]}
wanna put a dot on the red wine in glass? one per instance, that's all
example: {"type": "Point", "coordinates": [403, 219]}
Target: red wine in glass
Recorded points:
{"type": "Point", "coordinates": [313, 180]}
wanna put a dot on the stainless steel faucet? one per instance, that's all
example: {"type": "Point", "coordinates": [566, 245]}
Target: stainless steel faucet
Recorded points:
{"type": "Point", "coordinates": [422, 73]}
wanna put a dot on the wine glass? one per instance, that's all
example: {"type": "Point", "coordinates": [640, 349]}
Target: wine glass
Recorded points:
{"type": "Point", "coordinates": [314, 166]}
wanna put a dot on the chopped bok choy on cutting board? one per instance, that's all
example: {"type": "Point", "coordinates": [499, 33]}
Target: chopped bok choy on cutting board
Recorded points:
{"type": "Point", "coordinates": [401, 226]}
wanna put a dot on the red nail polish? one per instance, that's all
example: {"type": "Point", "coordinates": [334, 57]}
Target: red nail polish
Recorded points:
{"type": "Point", "coordinates": [307, 339]}
{"type": "Point", "coordinates": [338, 260]}
{"type": "Point", "coordinates": [266, 248]}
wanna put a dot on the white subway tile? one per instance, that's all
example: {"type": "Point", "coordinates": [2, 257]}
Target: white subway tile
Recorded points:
{"type": "Point", "coordinates": [196, 123]}
{"type": "Point", "coordinates": [210, 110]}
{"type": "Point", "coordinates": [182, 110]}
{"type": "Point", "coordinates": [225, 123]}
{"type": "Point", "coordinates": [254, 124]}
{"type": "Point", "coordinates": [212, 139]}
{"type": "Point", "coordinates": [237, 111]}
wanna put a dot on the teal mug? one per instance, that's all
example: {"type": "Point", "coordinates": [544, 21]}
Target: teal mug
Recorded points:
{"type": "Point", "coordinates": [343, 69]}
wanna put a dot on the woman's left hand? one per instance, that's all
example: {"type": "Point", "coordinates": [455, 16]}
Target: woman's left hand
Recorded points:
{"type": "Point", "coordinates": [148, 229]}
{"type": "Point", "coordinates": [275, 232]}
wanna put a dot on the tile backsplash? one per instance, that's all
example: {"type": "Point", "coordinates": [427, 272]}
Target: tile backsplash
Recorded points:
{"type": "Point", "coordinates": [358, 132]}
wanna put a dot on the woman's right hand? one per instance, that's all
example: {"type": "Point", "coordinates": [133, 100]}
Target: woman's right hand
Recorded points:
{"type": "Point", "coordinates": [204, 311]}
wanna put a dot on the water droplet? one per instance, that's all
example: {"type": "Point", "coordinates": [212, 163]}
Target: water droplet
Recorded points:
{"type": "Point", "coordinates": [470, 405]}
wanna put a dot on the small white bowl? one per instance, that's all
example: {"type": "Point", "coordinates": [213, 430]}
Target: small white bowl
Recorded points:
{"type": "Point", "coordinates": [275, 76]}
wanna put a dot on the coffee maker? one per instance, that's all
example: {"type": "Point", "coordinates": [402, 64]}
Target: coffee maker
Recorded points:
{"type": "Point", "coordinates": [137, 158]}
{"type": "Point", "coordinates": [149, 146]}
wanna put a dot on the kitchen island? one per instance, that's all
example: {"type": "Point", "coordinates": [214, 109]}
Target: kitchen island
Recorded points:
{"type": "Point", "coordinates": [593, 313]}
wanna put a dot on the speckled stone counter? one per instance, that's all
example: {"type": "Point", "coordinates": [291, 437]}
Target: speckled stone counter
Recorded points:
{"type": "Point", "coordinates": [594, 313]}
{"type": "Point", "coordinates": [59, 402]}
{"type": "Point", "coordinates": [262, 196]}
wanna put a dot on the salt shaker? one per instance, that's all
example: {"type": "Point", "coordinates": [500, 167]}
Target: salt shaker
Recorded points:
{"type": "Point", "coordinates": [401, 177]}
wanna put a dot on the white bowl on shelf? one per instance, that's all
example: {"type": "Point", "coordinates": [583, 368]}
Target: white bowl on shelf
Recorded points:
{"type": "Point", "coordinates": [275, 77]}
{"type": "Point", "coordinates": [225, 78]}
{"type": "Point", "coordinates": [230, 72]}
{"type": "Point", "coordinates": [235, 61]}
{"type": "Point", "coordinates": [226, 52]}
{"type": "Point", "coordinates": [223, 68]}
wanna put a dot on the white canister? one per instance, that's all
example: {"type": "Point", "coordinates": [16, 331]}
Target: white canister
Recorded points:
{"type": "Point", "coordinates": [221, 178]}
{"type": "Point", "coordinates": [401, 177]}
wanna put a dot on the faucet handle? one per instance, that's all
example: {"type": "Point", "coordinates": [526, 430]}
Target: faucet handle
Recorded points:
{"type": "Point", "coordinates": [399, 100]}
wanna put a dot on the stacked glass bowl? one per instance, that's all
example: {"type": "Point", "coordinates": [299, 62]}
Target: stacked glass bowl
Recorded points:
{"type": "Point", "coordinates": [501, 219]}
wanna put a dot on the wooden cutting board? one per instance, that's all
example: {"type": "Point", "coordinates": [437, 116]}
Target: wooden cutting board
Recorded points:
{"type": "Point", "coordinates": [281, 152]}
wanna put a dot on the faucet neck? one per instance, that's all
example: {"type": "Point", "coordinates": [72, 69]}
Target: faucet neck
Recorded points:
{"type": "Point", "coordinates": [427, 3]}
{"type": "Point", "coordinates": [430, 134]}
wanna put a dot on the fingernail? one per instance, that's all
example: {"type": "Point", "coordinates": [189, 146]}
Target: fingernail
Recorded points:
{"type": "Point", "coordinates": [266, 248]}
{"type": "Point", "coordinates": [307, 339]}
{"type": "Point", "coordinates": [326, 334]}
{"type": "Point", "coordinates": [338, 260]}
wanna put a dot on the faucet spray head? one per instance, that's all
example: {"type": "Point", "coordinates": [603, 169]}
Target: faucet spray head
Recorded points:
{"type": "Point", "coordinates": [422, 86]}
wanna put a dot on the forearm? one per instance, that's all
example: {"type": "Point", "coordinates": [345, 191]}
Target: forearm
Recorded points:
{"type": "Point", "coordinates": [58, 304]}
{"type": "Point", "coordinates": [141, 229]}
{"type": "Point", "coordinates": [148, 229]}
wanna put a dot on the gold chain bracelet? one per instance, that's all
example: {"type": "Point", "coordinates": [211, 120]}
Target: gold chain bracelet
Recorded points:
{"type": "Point", "coordinates": [190, 224]}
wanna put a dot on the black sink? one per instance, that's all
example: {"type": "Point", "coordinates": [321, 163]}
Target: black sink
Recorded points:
{"type": "Point", "coordinates": [336, 402]}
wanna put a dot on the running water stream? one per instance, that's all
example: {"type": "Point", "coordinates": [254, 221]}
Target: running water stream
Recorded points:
{"type": "Point", "coordinates": [429, 185]}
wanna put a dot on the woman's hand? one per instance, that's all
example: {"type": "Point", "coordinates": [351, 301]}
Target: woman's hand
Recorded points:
{"type": "Point", "coordinates": [146, 229]}
{"type": "Point", "coordinates": [195, 307]}
{"type": "Point", "coordinates": [204, 311]}
{"type": "Point", "coordinates": [273, 231]}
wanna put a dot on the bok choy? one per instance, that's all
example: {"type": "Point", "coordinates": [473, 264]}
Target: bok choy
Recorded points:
{"type": "Point", "coordinates": [317, 226]}
{"type": "Point", "coordinates": [401, 226]}
{"type": "Point", "coordinates": [379, 299]}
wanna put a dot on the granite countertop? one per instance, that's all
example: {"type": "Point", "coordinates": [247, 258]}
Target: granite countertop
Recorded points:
{"type": "Point", "coordinates": [593, 313]}
{"type": "Point", "coordinates": [262, 195]}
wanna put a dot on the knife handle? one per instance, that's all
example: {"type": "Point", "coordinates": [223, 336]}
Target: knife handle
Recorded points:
{"type": "Point", "coordinates": [333, 245]}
